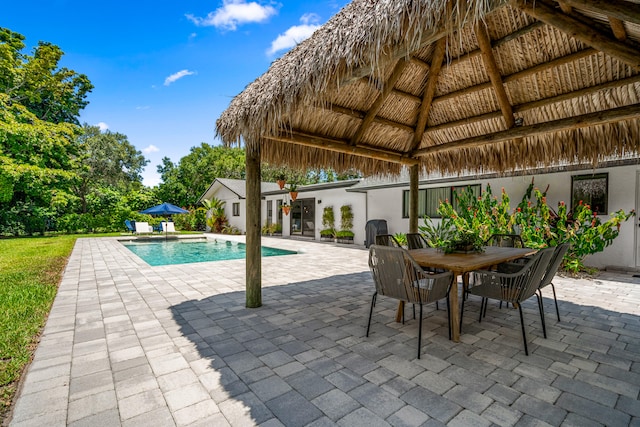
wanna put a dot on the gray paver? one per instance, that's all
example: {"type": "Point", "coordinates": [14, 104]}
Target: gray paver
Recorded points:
{"type": "Point", "coordinates": [129, 344]}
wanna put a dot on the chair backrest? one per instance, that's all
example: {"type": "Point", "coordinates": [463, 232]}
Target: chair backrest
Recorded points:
{"type": "Point", "coordinates": [142, 227]}
{"type": "Point", "coordinates": [534, 271]}
{"type": "Point", "coordinates": [168, 227]}
{"type": "Point", "coordinates": [397, 275]}
{"type": "Point", "coordinates": [416, 241]}
{"type": "Point", "coordinates": [554, 264]}
{"type": "Point", "coordinates": [387, 240]}
{"type": "Point", "coordinates": [505, 241]}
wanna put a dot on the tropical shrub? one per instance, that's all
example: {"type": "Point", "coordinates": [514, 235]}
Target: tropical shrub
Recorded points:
{"type": "Point", "coordinates": [475, 219]}
{"type": "Point", "coordinates": [328, 223]}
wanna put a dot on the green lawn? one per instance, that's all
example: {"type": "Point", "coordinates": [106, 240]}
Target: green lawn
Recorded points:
{"type": "Point", "coordinates": [30, 271]}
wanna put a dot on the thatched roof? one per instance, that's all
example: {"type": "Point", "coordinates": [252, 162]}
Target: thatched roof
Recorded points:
{"type": "Point", "coordinates": [450, 85]}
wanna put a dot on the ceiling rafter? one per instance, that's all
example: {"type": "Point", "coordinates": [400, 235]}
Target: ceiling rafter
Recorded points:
{"type": "Point", "coordinates": [499, 42]}
{"type": "Point", "coordinates": [494, 74]}
{"type": "Point", "coordinates": [581, 31]}
{"type": "Point", "coordinates": [341, 146]}
{"type": "Point", "coordinates": [357, 114]}
{"type": "Point", "coordinates": [429, 92]}
{"type": "Point", "coordinates": [379, 102]}
{"type": "Point", "coordinates": [520, 74]}
{"type": "Point", "coordinates": [538, 103]}
{"type": "Point", "coordinates": [621, 9]}
{"type": "Point", "coordinates": [585, 120]}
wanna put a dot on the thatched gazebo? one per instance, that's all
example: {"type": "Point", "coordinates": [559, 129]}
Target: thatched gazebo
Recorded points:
{"type": "Point", "coordinates": [444, 86]}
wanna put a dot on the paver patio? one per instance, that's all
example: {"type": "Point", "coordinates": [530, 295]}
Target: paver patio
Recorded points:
{"type": "Point", "coordinates": [129, 344]}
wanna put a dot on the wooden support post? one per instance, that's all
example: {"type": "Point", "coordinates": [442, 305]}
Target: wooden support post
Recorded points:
{"type": "Point", "coordinates": [413, 199]}
{"type": "Point", "coordinates": [254, 261]}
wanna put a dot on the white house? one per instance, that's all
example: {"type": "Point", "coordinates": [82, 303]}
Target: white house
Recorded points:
{"type": "Point", "coordinates": [613, 185]}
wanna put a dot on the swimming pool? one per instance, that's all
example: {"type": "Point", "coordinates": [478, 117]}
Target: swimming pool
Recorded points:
{"type": "Point", "coordinates": [184, 251]}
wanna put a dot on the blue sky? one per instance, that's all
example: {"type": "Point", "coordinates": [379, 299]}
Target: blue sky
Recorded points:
{"type": "Point", "coordinates": [164, 71]}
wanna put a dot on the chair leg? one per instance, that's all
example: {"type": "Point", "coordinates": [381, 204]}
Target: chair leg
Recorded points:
{"type": "Point", "coordinates": [414, 311]}
{"type": "Point", "coordinates": [449, 316]}
{"type": "Point", "coordinates": [556, 300]}
{"type": "Point", "coordinates": [420, 332]}
{"type": "Point", "coordinates": [461, 313]}
{"type": "Point", "coordinates": [484, 312]}
{"type": "Point", "coordinates": [524, 334]}
{"type": "Point", "coordinates": [483, 307]}
{"type": "Point", "coordinates": [373, 302]}
{"type": "Point", "coordinates": [541, 308]}
{"type": "Point", "coordinates": [437, 308]}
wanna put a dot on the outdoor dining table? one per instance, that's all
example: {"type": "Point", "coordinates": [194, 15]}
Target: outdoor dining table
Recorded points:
{"type": "Point", "coordinates": [461, 264]}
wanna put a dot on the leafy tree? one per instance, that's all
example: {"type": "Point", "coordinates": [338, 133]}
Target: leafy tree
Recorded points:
{"type": "Point", "coordinates": [36, 169]}
{"type": "Point", "coordinates": [184, 183]}
{"type": "Point", "coordinates": [107, 160]}
{"type": "Point", "coordinates": [53, 94]}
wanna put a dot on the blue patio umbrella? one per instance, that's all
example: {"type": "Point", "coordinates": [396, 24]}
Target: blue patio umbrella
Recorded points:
{"type": "Point", "coordinates": [165, 209]}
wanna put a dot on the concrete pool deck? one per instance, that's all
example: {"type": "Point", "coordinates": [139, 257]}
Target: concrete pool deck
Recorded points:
{"type": "Point", "coordinates": [133, 345]}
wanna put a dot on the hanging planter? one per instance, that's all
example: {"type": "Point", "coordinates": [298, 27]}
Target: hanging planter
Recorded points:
{"type": "Point", "coordinates": [293, 195]}
{"type": "Point", "coordinates": [281, 183]}
{"type": "Point", "coordinates": [286, 209]}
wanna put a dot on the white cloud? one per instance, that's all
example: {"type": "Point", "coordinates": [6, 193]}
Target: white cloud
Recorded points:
{"type": "Point", "coordinates": [234, 13]}
{"type": "Point", "coordinates": [295, 34]}
{"type": "Point", "coordinates": [103, 126]}
{"type": "Point", "coordinates": [150, 149]}
{"type": "Point", "coordinates": [177, 76]}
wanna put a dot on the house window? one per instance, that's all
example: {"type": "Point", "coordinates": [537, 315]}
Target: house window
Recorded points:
{"type": "Point", "coordinates": [429, 199]}
{"type": "Point", "coordinates": [269, 212]}
{"type": "Point", "coordinates": [592, 190]}
{"type": "Point", "coordinates": [236, 209]}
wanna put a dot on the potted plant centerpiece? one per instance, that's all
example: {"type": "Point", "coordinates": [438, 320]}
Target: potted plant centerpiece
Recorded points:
{"type": "Point", "coordinates": [464, 241]}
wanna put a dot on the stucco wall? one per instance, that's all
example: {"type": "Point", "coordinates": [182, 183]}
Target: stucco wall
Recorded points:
{"type": "Point", "coordinates": [386, 204]}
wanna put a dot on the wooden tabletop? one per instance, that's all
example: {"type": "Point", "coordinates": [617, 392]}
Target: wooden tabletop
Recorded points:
{"type": "Point", "coordinates": [461, 263]}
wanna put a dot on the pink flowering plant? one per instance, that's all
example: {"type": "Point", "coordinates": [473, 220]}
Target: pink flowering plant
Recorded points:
{"type": "Point", "coordinates": [476, 218]}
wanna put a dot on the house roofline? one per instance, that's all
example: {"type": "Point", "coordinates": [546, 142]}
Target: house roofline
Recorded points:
{"type": "Point", "coordinates": [314, 187]}
{"type": "Point", "coordinates": [492, 175]}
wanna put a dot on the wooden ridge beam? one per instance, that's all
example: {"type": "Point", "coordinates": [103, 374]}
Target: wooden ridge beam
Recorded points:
{"type": "Point", "coordinates": [537, 104]}
{"type": "Point", "coordinates": [581, 31]}
{"type": "Point", "coordinates": [621, 9]}
{"type": "Point", "coordinates": [429, 92]}
{"type": "Point", "coordinates": [341, 146]}
{"type": "Point", "coordinates": [570, 123]}
{"type": "Point", "coordinates": [379, 102]}
{"type": "Point", "coordinates": [494, 74]}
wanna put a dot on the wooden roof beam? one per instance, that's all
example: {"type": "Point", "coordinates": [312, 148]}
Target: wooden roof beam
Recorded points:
{"type": "Point", "coordinates": [520, 74]}
{"type": "Point", "coordinates": [357, 114]}
{"type": "Point", "coordinates": [621, 9]}
{"type": "Point", "coordinates": [586, 120]}
{"type": "Point", "coordinates": [341, 146]}
{"type": "Point", "coordinates": [581, 31]}
{"type": "Point", "coordinates": [379, 102]}
{"type": "Point", "coordinates": [566, 8]}
{"type": "Point", "coordinates": [538, 103]}
{"type": "Point", "coordinates": [617, 28]}
{"type": "Point", "coordinates": [498, 42]}
{"type": "Point", "coordinates": [429, 92]}
{"type": "Point", "coordinates": [494, 74]}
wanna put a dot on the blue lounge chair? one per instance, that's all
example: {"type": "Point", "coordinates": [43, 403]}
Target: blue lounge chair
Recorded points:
{"type": "Point", "coordinates": [130, 225]}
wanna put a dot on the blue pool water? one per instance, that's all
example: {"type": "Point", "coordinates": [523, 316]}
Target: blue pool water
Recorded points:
{"type": "Point", "coordinates": [190, 250]}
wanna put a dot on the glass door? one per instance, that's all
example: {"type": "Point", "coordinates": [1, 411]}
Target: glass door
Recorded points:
{"type": "Point", "coordinates": [303, 213]}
